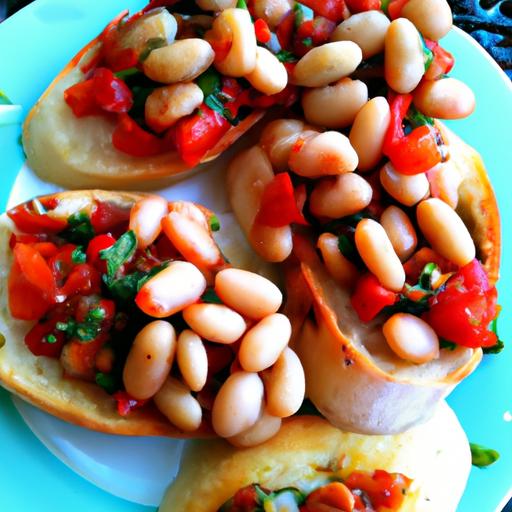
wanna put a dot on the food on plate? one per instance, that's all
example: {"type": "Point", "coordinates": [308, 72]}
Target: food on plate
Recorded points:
{"type": "Point", "coordinates": [155, 94]}
{"type": "Point", "coordinates": [121, 314]}
{"type": "Point", "coordinates": [387, 215]}
{"type": "Point", "coordinates": [312, 466]}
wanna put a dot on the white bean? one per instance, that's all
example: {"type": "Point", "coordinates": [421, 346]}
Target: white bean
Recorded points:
{"type": "Point", "coordinates": [181, 408]}
{"type": "Point", "coordinates": [192, 359]}
{"type": "Point", "coordinates": [269, 76]}
{"type": "Point", "coordinates": [433, 18]}
{"type": "Point", "coordinates": [335, 106]}
{"type": "Point", "coordinates": [406, 189]}
{"type": "Point", "coordinates": [445, 231]}
{"type": "Point", "coordinates": [250, 294]}
{"type": "Point", "coordinates": [447, 98]}
{"type": "Point", "coordinates": [377, 252]}
{"type": "Point", "coordinates": [146, 219]}
{"type": "Point", "coordinates": [272, 11]}
{"type": "Point", "coordinates": [150, 359]}
{"type": "Point", "coordinates": [165, 105]}
{"type": "Point", "coordinates": [215, 322]}
{"type": "Point", "coordinates": [400, 231]}
{"type": "Point", "coordinates": [238, 404]}
{"type": "Point", "coordinates": [411, 338]}
{"type": "Point", "coordinates": [263, 343]}
{"type": "Point", "coordinates": [368, 131]}
{"type": "Point", "coordinates": [343, 195]}
{"type": "Point", "coordinates": [340, 268]}
{"type": "Point", "coordinates": [327, 63]}
{"type": "Point", "coordinates": [366, 29]}
{"type": "Point", "coordinates": [285, 386]}
{"type": "Point", "coordinates": [181, 61]}
{"type": "Point", "coordinates": [328, 153]}
{"type": "Point", "coordinates": [403, 56]}
{"type": "Point", "coordinates": [265, 428]}
{"type": "Point", "coordinates": [445, 179]}
{"type": "Point", "coordinates": [171, 290]}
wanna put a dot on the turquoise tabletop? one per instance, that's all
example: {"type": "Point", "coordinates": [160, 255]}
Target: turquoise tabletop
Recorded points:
{"type": "Point", "coordinates": [34, 45]}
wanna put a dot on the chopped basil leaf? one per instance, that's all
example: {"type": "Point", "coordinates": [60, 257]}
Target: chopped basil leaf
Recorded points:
{"type": "Point", "coordinates": [406, 305]}
{"type": "Point", "coordinates": [347, 247]}
{"type": "Point", "coordinates": [79, 230]}
{"type": "Point", "coordinates": [108, 382]}
{"type": "Point", "coordinates": [78, 255]}
{"type": "Point", "coordinates": [448, 345]}
{"type": "Point", "coordinates": [217, 105]}
{"type": "Point", "coordinates": [241, 4]}
{"type": "Point", "coordinates": [428, 55]}
{"type": "Point", "coordinates": [84, 331]}
{"type": "Point", "coordinates": [299, 15]}
{"type": "Point", "coordinates": [308, 409]}
{"type": "Point", "coordinates": [209, 82]}
{"type": "Point", "coordinates": [96, 314]}
{"type": "Point", "coordinates": [140, 95]}
{"type": "Point", "coordinates": [416, 118]}
{"type": "Point", "coordinates": [261, 495]}
{"type": "Point", "coordinates": [495, 349]}
{"type": "Point", "coordinates": [4, 100]}
{"type": "Point", "coordinates": [286, 56]}
{"type": "Point", "coordinates": [214, 223]}
{"type": "Point", "coordinates": [127, 72]}
{"type": "Point", "coordinates": [425, 279]}
{"type": "Point", "coordinates": [482, 456]}
{"type": "Point", "coordinates": [211, 297]}
{"type": "Point", "coordinates": [119, 253]}
{"type": "Point", "coordinates": [307, 41]}
{"type": "Point", "coordinates": [384, 4]}
{"type": "Point", "coordinates": [152, 44]}
{"type": "Point", "coordinates": [51, 338]}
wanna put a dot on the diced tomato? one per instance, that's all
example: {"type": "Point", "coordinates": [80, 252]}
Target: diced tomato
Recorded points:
{"type": "Point", "coordinates": [165, 250]}
{"type": "Point", "coordinates": [78, 357]}
{"type": "Point", "coordinates": [287, 97]}
{"type": "Point", "coordinates": [245, 499]}
{"type": "Point", "coordinates": [126, 403]}
{"type": "Point", "coordinates": [62, 263]}
{"type": "Point", "coordinates": [221, 48]}
{"type": "Point", "coordinates": [117, 57]}
{"type": "Point", "coordinates": [334, 10]}
{"type": "Point", "coordinates": [333, 496]}
{"type": "Point", "coordinates": [284, 31]}
{"type": "Point", "coordinates": [395, 8]}
{"type": "Point", "coordinates": [28, 221]}
{"type": "Point", "coordinates": [262, 31]}
{"type": "Point", "coordinates": [110, 92]}
{"type": "Point", "coordinates": [82, 280]}
{"type": "Point", "coordinates": [133, 140]}
{"type": "Point", "coordinates": [197, 133]}
{"type": "Point", "coordinates": [416, 263]}
{"type": "Point", "coordinates": [82, 100]}
{"type": "Point", "coordinates": [442, 64]}
{"type": "Point", "coordinates": [23, 239]}
{"type": "Point", "coordinates": [278, 205]}
{"type": "Point", "coordinates": [109, 216]}
{"type": "Point", "coordinates": [356, 6]}
{"type": "Point", "coordinates": [44, 339]}
{"type": "Point", "coordinates": [370, 297]}
{"type": "Point", "coordinates": [97, 244]}
{"type": "Point", "coordinates": [414, 153]}
{"type": "Point", "coordinates": [312, 33]}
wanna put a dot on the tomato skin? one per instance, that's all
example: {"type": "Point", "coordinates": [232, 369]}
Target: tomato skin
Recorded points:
{"type": "Point", "coordinates": [442, 64]}
{"type": "Point", "coordinates": [333, 10]}
{"type": "Point", "coordinates": [108, 216]}
{"type": "Point", "coordinates": [82, 280]}
{"type": "Point", "coordinates": [130, 138]}
{"type": "Point", "coordinates": [28, 221]}
{"type": "Point", "coordinates": [395, 8]}
{"type": "Point", "coordinates": [356, 6]}
{"type": "Point", "coordinates": [97, 244]}
{"type": "Point", "coordinates": [36, 342]}
{"type": "Point", "coordinates": [126, 403]}
{"type": "Point", "coordinates": [110, 92]}
{"type": "Point", "coordinates": [416, 263]}
{"type": "Point", "coordinates": [370, 297]}
{"type": "Point", "coordinates": [81, 99]}
{"type": "Point", "coordinates": [62, 263]}
{"type": "Point", "coordinates": [262, 31]}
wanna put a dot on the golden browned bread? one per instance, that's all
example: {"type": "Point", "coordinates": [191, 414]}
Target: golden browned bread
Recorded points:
{"type": "Point", "coordinates": [435, 455]}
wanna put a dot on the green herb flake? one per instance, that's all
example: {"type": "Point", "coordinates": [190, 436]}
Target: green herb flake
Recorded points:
{"type": "Point", "coordinates": [216, 104]}
{"type": "Point", "coordinates": [125, 73]}
{"type": "Point", "coordinates": [346, 247]}
{"type": "Point", "coordinates": [425, 279]}
{"type": "Point", "coordinates": [51, 338]}
{"type": "Point", "coordinates": [448, 345]}
{"type": "Point", "coordinates": [96, 315]}
{"type": "Point", "coordinates": [481, 456]}
{"type": "Point", "coordinates": [78, 255]}
{"type": "Point", "coordinates": [384, 4]}
{"type": "Point", "coordinates": [152, 44]}
{"type": "Point", "coordinates": [307, 41]}
{"type": "Point", "coordinates": [241, 5]}
{"type": "Point", "coordinates": [417, 119]}
{"type": "Point", "coordinates": [119, 253]}
{"type": "Point", "coordinates": [299, 15]}
{"type": "Point", "coordinates": [4, 100]}
{"type": "Point", "coordinates": [214, 223]}
{"type": "Point", "coordinates": [494, 349]}
{"type": "Point", "coordinates": [210, 297]}
{"type": "Point", "coordinates": [108, 382]}
{"type": "Point", "coordinates": [286, 56]}
{"type": "Point", "coordinates": [79, 230]}
{"type": "Point", "coordinates": [209, 82]}
{"type": "Point", "coordinates": [428, 55]}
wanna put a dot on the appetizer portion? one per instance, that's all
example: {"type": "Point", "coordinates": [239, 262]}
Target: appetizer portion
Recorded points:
{"type": "Point", "coordinates": [120, 313]}
{"type": "Point", "coordinates": [311, 466]}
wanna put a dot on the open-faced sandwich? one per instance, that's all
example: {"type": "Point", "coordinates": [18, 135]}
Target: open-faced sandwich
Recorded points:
{"type": "Point", "coordinates": [313, 467]}
{"type": "Point", "coordinates": [120, 313]}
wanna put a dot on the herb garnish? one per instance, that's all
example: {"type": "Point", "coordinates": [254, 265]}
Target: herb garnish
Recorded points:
{"type": "Point", "coordinates": [210, 297]}
{"type": "Point", "coordinates": [78, 255]}
{"type": "Point", "coordinates": [79, 230]}
{"type": "Point", "coordinates": [214, 223]}
{"type": "Point", "coordinates": [118, 254]}
{"type": "Point", "coordinates": [495, 349]}
{"type": "Point", "coordinates": [152, 44]}
{"type": "Point", "coordinates": [110, 383]}
{"type": "Point", "coordinates": [481, 456]}
{"type": "Point", "coordinates": [84, 331]}
{"type": "Point", "coordinates": [286, 56]}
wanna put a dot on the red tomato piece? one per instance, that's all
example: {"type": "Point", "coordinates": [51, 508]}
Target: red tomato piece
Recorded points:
{"type": "Point", "coordinates": [78, 357]}
{"type": "Point", "coordinates": [82, 100]}
{"type": "Point", "coordinates": [395, 8]}
{"type": "Point", "coordinates": [97, 244]}
{"type": "Point", "coordinates": [126, 403]}
{"type": "Point", "coordinates": [62, 263]}
{"type": "Point", "coordinates": [312, 33]}
{"type": "Point", "coordinates": [46, 249]}
{"type": "Point", "coordinates": [262, 31]}
{"type": "Point", "coordinates": [133, 140]}
{"type": "Point", "coordinates": [284, 31]}
{"type": "Point", "coordinates": [442, 64]}
{"type": "Point", "coordinates": [416, 263]}
{"type": "Point", "coordinates": [356, 6]}
{"type": "Point", "coordinates": [332, 496]}
{"type": "Point", "coordinates": [245, 499]}
{"type": "Point", "coordinates": [37, 339]}
{"type": "Point", "coordinates": [278, 204]}
{"type": "Point", "coordinates": [110, 92]}
{"type": "Point", "coordinates": [333, 10]}
{"type": "Point", "coordinates": [28, 221]}
{"type": "Point", "coordinates": [370, 297]}
{"type": "Point", "coordinates": [108, 216]}
{"type": "Point", "coordinates": [82, 280]}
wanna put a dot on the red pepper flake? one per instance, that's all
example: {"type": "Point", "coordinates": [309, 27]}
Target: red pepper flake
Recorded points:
{"type": "Point", "coordinates": [262, 31]}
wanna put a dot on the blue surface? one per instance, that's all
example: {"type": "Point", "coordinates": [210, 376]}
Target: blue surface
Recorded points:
{"type": "Point", "coordinates": [34, 45]}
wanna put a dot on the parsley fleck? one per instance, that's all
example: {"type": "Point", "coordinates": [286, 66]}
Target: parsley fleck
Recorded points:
{"type": "Point", "coordinates": [482, 456]}
{"type": "Point", "coordinates": [78, 255]}
{"type": "Point", "coordinates": [79, 230]}
{"type": "Point", "coordinates": [214, 223]}
{"type": "Point", "coordinates": [51, 338]}
{"type": "Point", "coordinates": [211, 297]}
{"type": "Point", "coordinates": [119, 253]}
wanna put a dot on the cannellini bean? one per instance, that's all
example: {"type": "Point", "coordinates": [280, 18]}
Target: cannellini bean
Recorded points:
{"type": "Point", "coordinates": [377, 252]}
{"type": "Point", "coordinates": [146, 218]}
{"type": "Point", "coordinates": [238, 404]}
{"type": "Point", "coordinates": [250, 294]}
{"type": "Point", "coordinates": [366, 29]}
{"type": "Point", "coordinates": [150, 359]}
{"type": "Point", "coordinates": [328, 153]}
{"type": "Point", "coordinates": [403, 56]}
{"type": "Point", "coordinates": [400, 231]}
{"type": "Point", "coordinates": [335, 106]}
{"type": "Point", "coordinates": [445, 179]}
{"type": "Point", "coordinates": [368, 131]}
{"type": "Point", "coordinates": [340, 268]}
{"type": "Point", "coordinates": [278, 138]}
{"type": "Point", "coordinates": [265, 428]}
{"type": "Point", "coordinates": [215, 322]}
{"type": "Point", "coordinates": [445, 231]}
{"type": "Point", "coordinates": [181, 408]}
{"type": "Point", "coordinates": [285, 386]}
{"type": "Point", "coordinates": [411, 338]}
{"type": "Point", "coordinates": [327, 63]}
{"type": "Point", "coordinates": [264, 342]}
{"type": "Point", "coordinates": [186, 227]}
{"type": "Point", "coordinates": [447, 98]}
{"type": "Point", "coordinates": [248, 174]}
{"type": "Point", "coordinates": [272, 11]}
{"type": "Point", "coordinates": [216, 5]}
{"type": "Point", "coordinates": [406, 189]}
{"type": "Point", "coordinates": [433, 18]}
{"type": "Point", "coordinates": [181, 61]}
{"type": "Point", "coordinates": [269, 76]}
{"type": "Point", "coordinates": [165, 105]}
{"type": "Point", "coordinates": [175, 287]}
{"type": "Point", "coordinates": [235, 25]}
{"type": "Point", "coordinates": [192, 359]}
{"type": "Point", "coordinates": [340, 196]}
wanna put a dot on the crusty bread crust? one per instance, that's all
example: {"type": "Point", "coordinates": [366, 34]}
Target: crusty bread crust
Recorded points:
{"type": "Point", "coordinates": [78, 152]}
{"type": "Point", "coordinates": [352, 376]}
{"type": "Point", "coordinates": [435, 455]}
{"type": "Point", "coordinates": [40, 380]}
